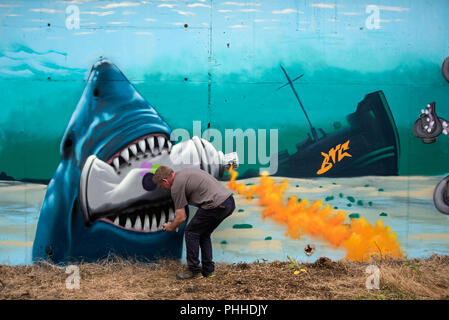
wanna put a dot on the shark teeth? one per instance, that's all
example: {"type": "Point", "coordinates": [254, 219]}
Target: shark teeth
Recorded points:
{"type": "Point", "coordinates": [142, 145]}
{"type": "Point", "coordinates": [150, 141]}
{"type": "Point", "coordinates": [116, 163]}
{"type": "Point", "coordinates": [146, 223]}
{"type": "Point", "coordinates": [153, 223]}
{"type": "Point", "coordinates": [138, 224]}
{"type": "Point", "coordinates": [160, 142]}
{"type": "Point", "coordinates": [144, 219]}
{"type": "Point", "coordinates": [147, 146]}
{"type": "Point", "coordinates": [133, 149]}
{"type": "Point", "coordinates": [125, 154]}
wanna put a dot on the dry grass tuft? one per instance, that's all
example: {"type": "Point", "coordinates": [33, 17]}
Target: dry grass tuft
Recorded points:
{"type": "Point", "coordinates": [116, 278]}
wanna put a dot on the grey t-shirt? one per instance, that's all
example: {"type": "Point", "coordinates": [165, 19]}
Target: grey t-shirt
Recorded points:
{"type": "Point", "coordinates": [198, 188]}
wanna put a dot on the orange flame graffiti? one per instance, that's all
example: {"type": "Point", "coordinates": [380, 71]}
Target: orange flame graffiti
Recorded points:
{"type": "Point", "coordinates": [361, 239]}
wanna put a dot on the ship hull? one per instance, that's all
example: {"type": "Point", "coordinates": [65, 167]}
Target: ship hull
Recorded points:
{"type": "Point", "coordinates": [373, 147]}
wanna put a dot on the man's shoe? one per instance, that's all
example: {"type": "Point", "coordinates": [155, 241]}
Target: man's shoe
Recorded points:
{"type": "Point", "coordinates": [208, 274]}
{"type": "Point", "coordinates": [187, 274]}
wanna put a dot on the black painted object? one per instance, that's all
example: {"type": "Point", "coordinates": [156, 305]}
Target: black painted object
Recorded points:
{"type": "Point", "coordinates": [445, 69]}
{"type": "Point", "coordinates": [429, 126]}
{"type": "Point", "coordinates": [147, 182]}
{"type": "Point", "coordinates": [441, 196]}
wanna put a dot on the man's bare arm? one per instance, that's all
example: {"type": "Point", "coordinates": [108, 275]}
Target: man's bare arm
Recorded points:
{"type": "Point", "coordinates": [180, 217]}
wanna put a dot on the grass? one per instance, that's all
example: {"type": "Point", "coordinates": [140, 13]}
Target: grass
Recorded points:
{"type": "Point", "coordinates": [121, 279]}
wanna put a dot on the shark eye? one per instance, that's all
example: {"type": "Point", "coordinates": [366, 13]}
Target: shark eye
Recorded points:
{"type": "Point", "coordinates": [147, 182]}
{"type": "Point", "coordinates": [67, 149]}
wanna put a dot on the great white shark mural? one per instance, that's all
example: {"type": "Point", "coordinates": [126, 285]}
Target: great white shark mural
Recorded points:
{"type": "Point", "coordinates": [110, 116]}
{"type": "Point", "coordinates": [115, 137]}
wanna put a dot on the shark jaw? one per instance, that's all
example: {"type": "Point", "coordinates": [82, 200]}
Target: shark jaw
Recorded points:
{"type": "Point", "coordinates": [141, 215]}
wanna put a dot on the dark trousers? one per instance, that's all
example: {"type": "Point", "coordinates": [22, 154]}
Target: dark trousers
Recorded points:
{"type": "Point", "coordinates": [198, 233]}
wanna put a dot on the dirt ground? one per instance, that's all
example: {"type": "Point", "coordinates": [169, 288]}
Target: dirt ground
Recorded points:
{"type": "Point", "coordinates": [120, 279]}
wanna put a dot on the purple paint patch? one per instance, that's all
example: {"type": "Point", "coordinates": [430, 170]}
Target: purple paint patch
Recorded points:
{"type": "Point", "coordinates": [145, 165]}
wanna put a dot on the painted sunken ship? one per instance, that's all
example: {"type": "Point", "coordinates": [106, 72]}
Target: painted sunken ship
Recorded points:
{"type": "Point", "coordinates": [369, 146]}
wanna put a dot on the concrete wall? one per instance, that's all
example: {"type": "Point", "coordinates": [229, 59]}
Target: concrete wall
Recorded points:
{"type": "Point", "coordinates": [217, 64]}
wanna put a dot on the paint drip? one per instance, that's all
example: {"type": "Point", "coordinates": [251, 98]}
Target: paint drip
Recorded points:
{"type": "Point", "coordinates": [361, 240]}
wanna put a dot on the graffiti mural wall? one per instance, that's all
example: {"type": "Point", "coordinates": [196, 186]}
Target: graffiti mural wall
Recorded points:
{"type": "Point", "coordinates": [325, 118]}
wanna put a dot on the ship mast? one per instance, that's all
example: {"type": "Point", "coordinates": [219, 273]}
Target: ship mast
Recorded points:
{"type": "Point", "coordinates": [290, 82]}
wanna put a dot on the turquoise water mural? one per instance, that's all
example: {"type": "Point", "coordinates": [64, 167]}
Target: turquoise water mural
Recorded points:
{"type": "Point", "coordinates": [218, 62]}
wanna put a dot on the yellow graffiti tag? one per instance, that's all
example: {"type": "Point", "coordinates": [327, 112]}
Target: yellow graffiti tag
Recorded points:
{"type": "Point", "coordinates": [333, 152]}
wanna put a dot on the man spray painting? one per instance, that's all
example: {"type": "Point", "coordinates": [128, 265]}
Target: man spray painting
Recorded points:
{"type": "Point", "coordinates": [215, 202]}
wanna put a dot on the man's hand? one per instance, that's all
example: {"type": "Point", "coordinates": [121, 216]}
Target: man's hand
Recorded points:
{"type": "Point", "coordinates": [168, 226]}
{"type": "Point", "coordinates": [180, 217]}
